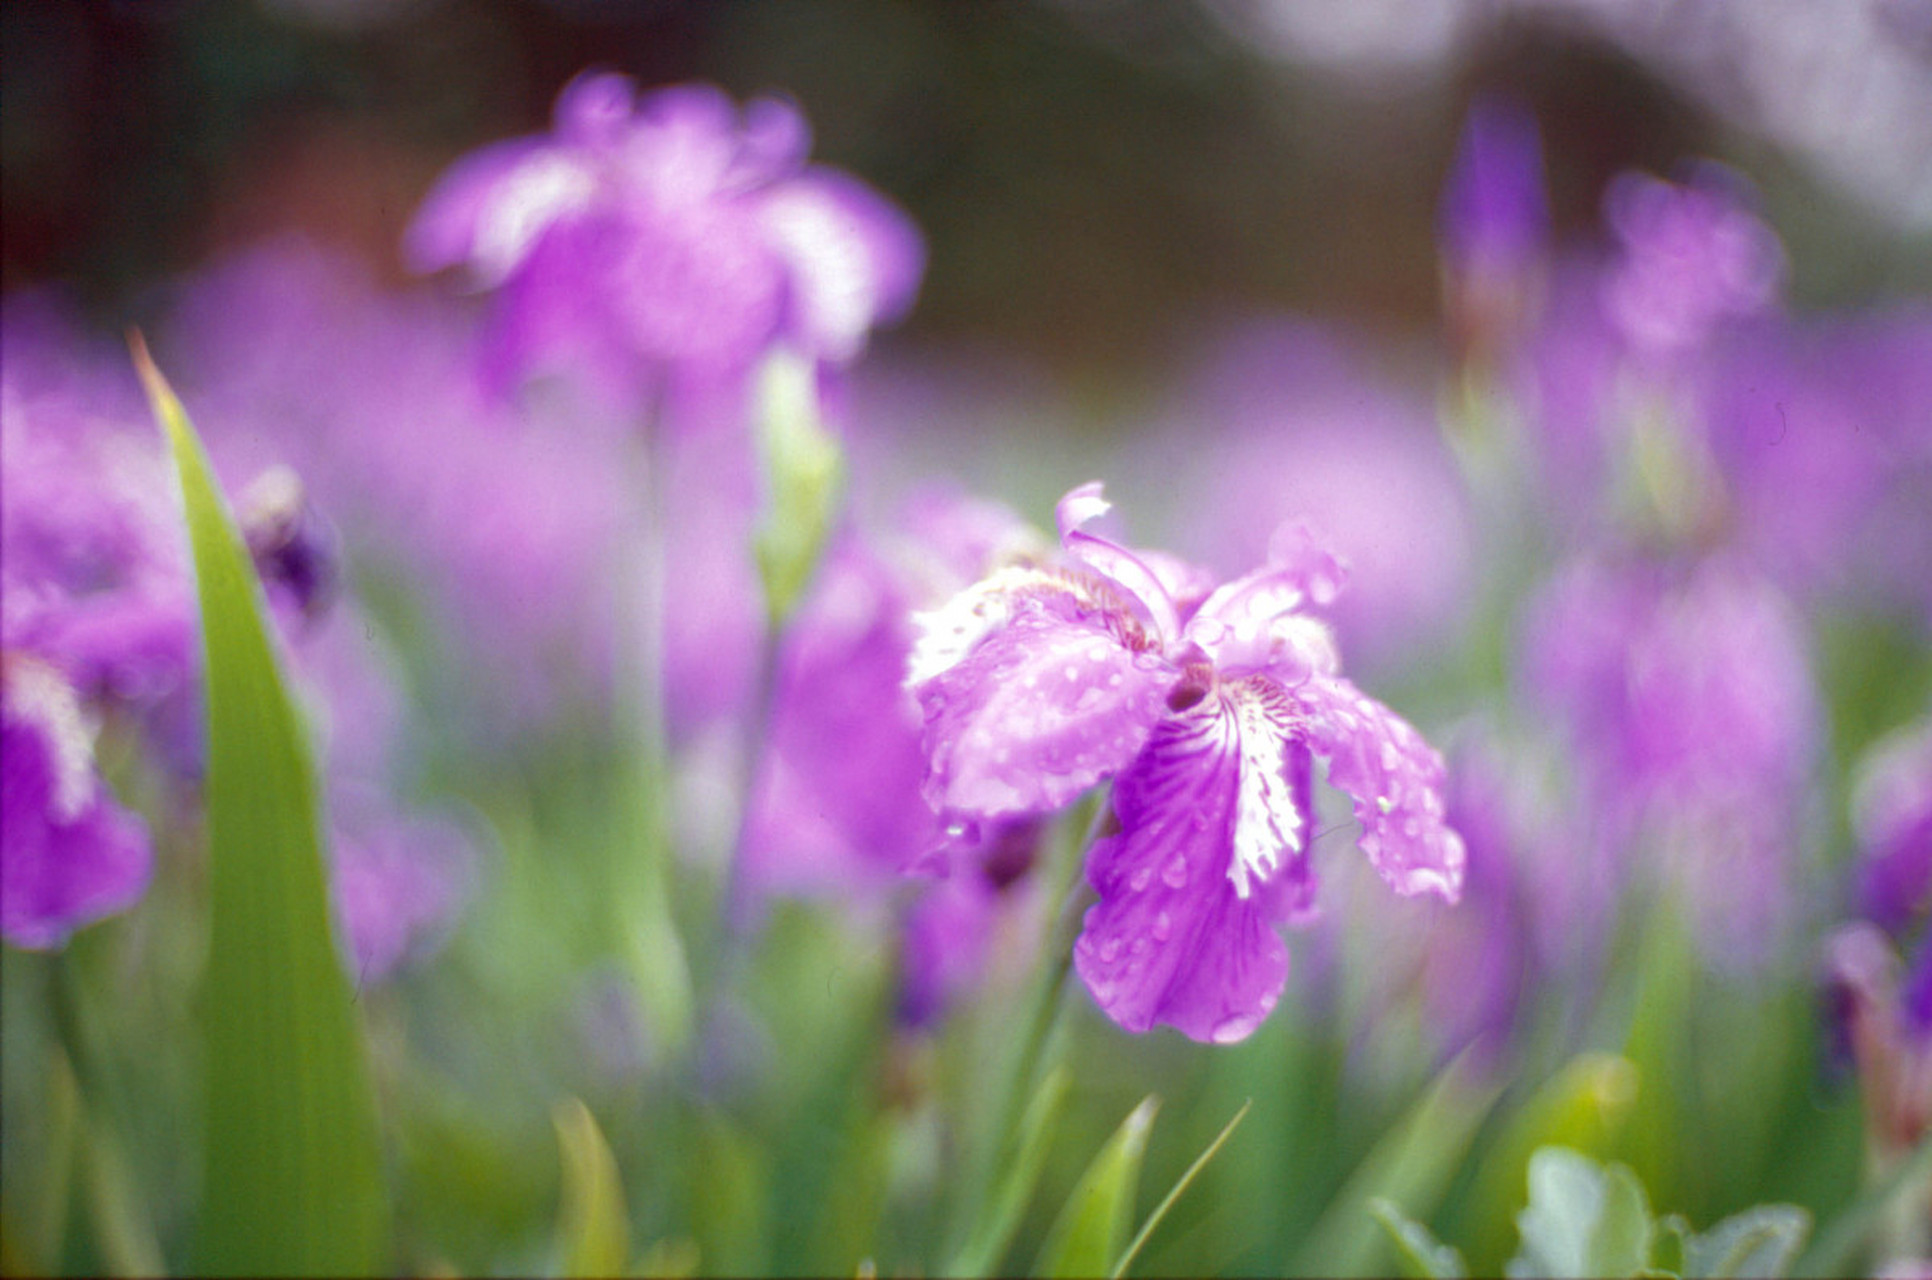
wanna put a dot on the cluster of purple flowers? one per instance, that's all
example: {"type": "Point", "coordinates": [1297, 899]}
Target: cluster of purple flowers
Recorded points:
{"type": "Point", "coordinates": [100, 634]}
{"type": "Point", "coordinates": [1702, 466]}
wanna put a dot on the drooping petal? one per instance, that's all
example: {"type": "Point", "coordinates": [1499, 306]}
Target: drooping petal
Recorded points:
{"type": "Point", "coordinates": [1395, 780]}
{"type": "Point", "coordinates": [1178, 937]}
{"type": "Point", "coordinates": [1049, 702]}
{"type": "Point", "coordinates": [1138, 580]}
{"type": "Point", "coordinates": [852, 258]}
{"type": "Point", "coordinates": [69, 855]}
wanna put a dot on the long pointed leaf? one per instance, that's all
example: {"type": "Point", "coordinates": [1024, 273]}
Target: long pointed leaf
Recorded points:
{"type": "Point", "coordinates": [293, 1173]}
{"type": "Point", "coordinates": [1093, 1226]}
{"type": "Point", "coordinates": [1186, 1180]}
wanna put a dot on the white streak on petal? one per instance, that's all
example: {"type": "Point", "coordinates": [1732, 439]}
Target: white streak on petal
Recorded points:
{"type": "Point", "coordinates": [39, 695]}
{"type": "Point", "coordinates": [529, 198]}
{"type": "Point", "coordinates": [944, 636]}
{"type": "Point", "coordinates": [1266, 818]}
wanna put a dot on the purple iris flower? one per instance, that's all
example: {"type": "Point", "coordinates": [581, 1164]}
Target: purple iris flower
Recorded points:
{"type": "Point", "coordinates": [1207, 707]}
{"type": "Point", "coordinates": [1686, 690]}
{"type": "Point", "coordinates": [670, 231]}
{"type": "Point", "coordinates": [1693, 257]}
{"type": "Point", "coordinates": [70, 855]}
{"type": "Point", "coordinates": [1892, 815]}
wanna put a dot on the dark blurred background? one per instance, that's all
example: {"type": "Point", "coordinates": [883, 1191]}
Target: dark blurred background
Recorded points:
{"type": "Point", "coordinates": [1091, 174]}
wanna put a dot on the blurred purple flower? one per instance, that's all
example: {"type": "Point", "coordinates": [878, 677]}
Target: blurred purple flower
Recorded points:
{"type": "Point", "coordinates": [851, 820]}
{"type": "Point", "coordinates": [92, 554]}
{"type": "Point", "coordinates": [69, 854]}
{"type": "Point", "coordinates": [1306, 428]}
{"type": "Point", "coordinates": [292, 359]}
{"type": "Point", "coordinates": [1686, 694]}
{"type": "Point", "coordinates": [1210, 706]}
{"type": "Point", "coordinates": [1692, 257]}
{"type": "Point", "coordinates": [1881, 1024]}
{"type": "Point", "coordinates": [646, 234]}
{"type": "Point", "coordinates": [1493, 224]}
{"type": "Point", "coordinates": [1892, 817]}
{"type": "Point", "coordinates": [398, 880]}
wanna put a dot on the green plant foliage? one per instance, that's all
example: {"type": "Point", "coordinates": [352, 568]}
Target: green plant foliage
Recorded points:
{"type": "Point", "coordinates": [1411, 1166]}
{"type": "Point", "coordinates": [1583, 1219]}
{"type": "Point", "coordinates": [1175, 1192]}
{"type": "Point", "coordinates": [803, 469]}
{"type": "Point", "coordinates": [1418, 1253]}
{"type": "Point", "coordinates": [1761, 1241]}
{"type": "Point", "coordinates": [593, 1230]}
{"type": "Point", "coordinates": [293, 1171]}
{"type": "Point", "coordinates": [1092, 1227]}
{"type": "Point", "coordinates": [1037, 1128]}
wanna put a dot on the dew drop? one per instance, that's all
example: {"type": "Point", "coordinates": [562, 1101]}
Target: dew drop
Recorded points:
{"type": "Point", "coordinates": [1162, 927]}
{"type": "Point", "coordinates": [1231, 1029]}
{"type": "Point", "coordinates": [1110, 950]}
{"type": "Point", "coordinates": [1139, 880]}
{"type": "Point", "coordinates": [1175, 875]}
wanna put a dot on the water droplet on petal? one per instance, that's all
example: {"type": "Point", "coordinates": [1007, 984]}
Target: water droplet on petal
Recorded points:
{"type": "Point", "coordinates": [1140, 878]}
{"type": "Point", "coordinates": [1110, 950]}
{"type": "Point", "coordinates": [1175, 875]}
{"type": "Point", "coordinates": [1162, 927]}
{"type": "Point", "coordinates": [1234, 1028]}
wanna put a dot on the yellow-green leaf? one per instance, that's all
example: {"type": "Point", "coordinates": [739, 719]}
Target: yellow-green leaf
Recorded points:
{"type": "Point", "coordinates": [1092, 1227]}
{"type": "Point", "coordinates": [593, 1228]}
{"type": "Point", "coordinates": [293, 1181]}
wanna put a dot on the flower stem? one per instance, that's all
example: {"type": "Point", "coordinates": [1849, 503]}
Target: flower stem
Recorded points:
{"type": "Point", "coordinates": [1039, 1048]}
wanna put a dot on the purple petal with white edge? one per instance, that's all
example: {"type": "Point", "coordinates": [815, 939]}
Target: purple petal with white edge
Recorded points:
{"type": "Point", "coordinates": [1048, 703]}
{"type": "Point", "coordinates": [447, 230]}
{"type": "Point", "coordinates": [1191, 885]}
{"type": "Point", "coordinates": [853, 259]}
{"type": "Point", "coordinates": [1396, 781]}
{"type": "Point", "coordinates": [70, 855]}
{"type": "Point", "coordinates": [1113, 561]}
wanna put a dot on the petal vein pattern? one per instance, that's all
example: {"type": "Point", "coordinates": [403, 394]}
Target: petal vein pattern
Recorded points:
{"type": "Point", "coordinates": [1172, 940]}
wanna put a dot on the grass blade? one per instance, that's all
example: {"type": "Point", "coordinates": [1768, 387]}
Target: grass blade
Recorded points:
{"type": "Point", "coordinates": [293, 1171]}
{"type": "Point", "coordinates": [1167, 1202]}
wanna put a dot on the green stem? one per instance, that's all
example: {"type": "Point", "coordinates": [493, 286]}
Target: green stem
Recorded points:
{"type": "Point", "coordinates": [1039, 1049]}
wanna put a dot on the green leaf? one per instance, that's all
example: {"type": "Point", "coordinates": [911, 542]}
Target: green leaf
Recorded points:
{"type": "Point", "coordinates": [1582, 1219]}
{"type": "Point", "coordinates": [593, 1229]}
{"type": "Point", "coordinates": [1833, 1252]}
{"type": "Point", "coordinates": [991, 1235]}
{"type": "Point", "coordinates": [1092, 1226]}
{"type": "Point", "coordinates": [1421, 1255]}
{"type": "Point", "coordinates": [730, 1197]}
{"type": "Point", "coordinates": [293, 1179]}
{"type": "Point", "coordinates": [1167, 1202]}
{"type": "Point", "coordinates": [1761, 1241]}
{"type": "Point", "coordinates": [803, 468]}
{"type": "Point", "coordinates": [1583, 1106]}
{"type": "Point", "coordinates": [1411, 1165]}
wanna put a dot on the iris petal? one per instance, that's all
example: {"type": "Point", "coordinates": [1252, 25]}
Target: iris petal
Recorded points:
{"type": "Point", "coordinates": [1395, 780]}
{"type": "Point", "coordinates": [1174, 939]}
{"type": "Point", "coordinates": [1049, 702]}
